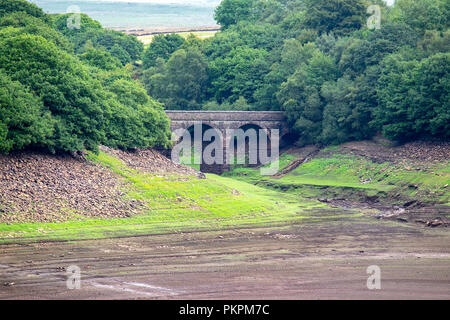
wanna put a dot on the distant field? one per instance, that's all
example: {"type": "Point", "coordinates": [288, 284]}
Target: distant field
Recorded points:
{"type": "Point", "coordinates": [147, 39]}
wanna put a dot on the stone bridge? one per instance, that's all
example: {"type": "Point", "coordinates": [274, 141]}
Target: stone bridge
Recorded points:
{"type": "Point", "coordinates": [228, 120]}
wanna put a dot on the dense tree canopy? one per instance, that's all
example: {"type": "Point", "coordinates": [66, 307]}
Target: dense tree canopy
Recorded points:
{"type": "Point", "coordinates": [181, 83]}
{"type": "Point", "coordinates": [23, 121]}
{"type": "Point", "coordinates": [162, 46]}
{"type": "Point", "coordinates": [64, 89]}
{"type": "Point", "coordinates": [9, 6]}
{"type": "Point", "coordinates": [90, 35]}
{"type": "Point", "coordinates": [317, 60]}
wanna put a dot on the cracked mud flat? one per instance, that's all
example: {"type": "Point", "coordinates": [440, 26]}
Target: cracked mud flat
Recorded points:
{"type": "Point", "coordinates": [314, 260]}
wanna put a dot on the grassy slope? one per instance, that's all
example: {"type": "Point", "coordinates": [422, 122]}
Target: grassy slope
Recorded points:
{"type": "Point", "coordinates": [343, 174]}
{"type": "Point", "coordinates": [180, 204]}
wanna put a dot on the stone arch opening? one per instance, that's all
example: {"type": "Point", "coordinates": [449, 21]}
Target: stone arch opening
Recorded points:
{"type": "Point", "coordinates": [205, 138]}
{"type": "Point", "coordinates": [248, 146]}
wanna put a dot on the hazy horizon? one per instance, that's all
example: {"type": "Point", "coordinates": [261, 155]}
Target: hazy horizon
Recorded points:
{"type": "Point", "coordinates": [141, 13]}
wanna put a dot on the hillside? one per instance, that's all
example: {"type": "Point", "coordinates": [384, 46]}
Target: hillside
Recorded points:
{"type": "Point", "coordinates": [38, 187]}
{"type": "Point", "coordinates": [119, 193]}
{"type": "Point", "coordinates": [408, 183]}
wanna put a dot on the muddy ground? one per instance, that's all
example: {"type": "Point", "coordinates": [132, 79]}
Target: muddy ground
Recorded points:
{"type": "Point", "coordinates": [314, 260]}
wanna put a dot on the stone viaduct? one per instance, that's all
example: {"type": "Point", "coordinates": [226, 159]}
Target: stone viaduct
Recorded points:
{"type": "Point", "coordinates": [226, 120]}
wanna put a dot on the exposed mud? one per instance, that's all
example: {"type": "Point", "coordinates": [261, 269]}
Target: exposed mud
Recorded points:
{"type": "Point", "coordinates": [315, 260]}
{"type": "Point", "coordinates": [411, 211]}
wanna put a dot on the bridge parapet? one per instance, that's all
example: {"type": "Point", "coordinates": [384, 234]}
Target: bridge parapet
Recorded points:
{"type": "Point", "coordinates": [225, 115]}
{"type": "Point", "coordinates": [226, 120]}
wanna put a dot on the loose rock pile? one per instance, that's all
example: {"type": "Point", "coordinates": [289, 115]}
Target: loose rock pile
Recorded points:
{"type": "Point", "coordinates": [414, 151]}
{"type": "Point", "coordinates": [150, 161]}
{"type": "Point", "coordinates": [46, 188]}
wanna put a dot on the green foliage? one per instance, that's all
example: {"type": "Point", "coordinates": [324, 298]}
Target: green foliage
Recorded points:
{"type": "Point", "coordinates": [414, 97]}
{"type": "Point", "coordinates": [56, 101]}
{"type": "Point", "coordinates": [90, 35]}
{"type": "Point", "coordinates": [341, 17]}
{"type": "Point", "coordinates": [100, 59]}
{"type": "Point", "coordinates": [9, 6]}
{"type": "Point", "coordinates": [162, 46]}
{"type": "Point", "coordinates": [181, 83]}
{"type": "Point", "coordinates": [361, 53]}
{"type": "Point", "coordinates": [293, 54]}
{"type": "Point", "coordinates": [23, 120]}
{"type": "Point", "coordinates": [23, 23]}
{"type": "Point", "coordinates": [301, 97]}
{"type": "Point", "coordinates": [340, 115]}
{"type": "Point", "coordinates": [422, 15]}
{"type": "Point", "coordinates": [315, 59]}
{"type": "Point", "coordinates": [435, 41]}
{"type": "Point", "coordinates": [230, 12]}
{"type": "Point", "coordinates": [67, 91]}
{"type": "Point", "coordinates": [253, 35]}
{"type": "Point", "coordinates": [84, 111]}
{"type": "Point", "coordinates": [238, 74]}
{"type": "Point", "coordinates": [239, 105]}
{"type": "Point", "coordinates": [136, 121]}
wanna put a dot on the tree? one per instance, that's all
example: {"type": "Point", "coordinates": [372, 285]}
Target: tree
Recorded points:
{"type": "Point", "coordinates": [422, 15]}
{"type": "Point", "coordinates": [136, 120]}
{"type": "Point", "coordinates": [253, 35]}
{"type": "Point", "coordinates": [414, 97]}
{"type": "Point", "coordinates": [239, 105]}
{"type": "Point", "coordinates": [230, 12]}
{"type": "Point", "coordinates": [341, 17]}
{"type": "Point", "coordinates": [301, 99]}
{"type": "Point", "coordinates": [23, 119]}
{"type": "Point", "coordinates": [24, 23]}
{"type": "Point", "coordinates": [435, 41]}
{"type": "Point", "coordinates": [238, 74]}
{"type": "Point", "coordinates": [90, 35]}
{"type": "Point", "coordinates": [9, 6]}
{"type": "Point", "coordinates": [377, 44]}
{"type": "Point", "coordinates": [75, 100]}
{"type": "Point", "coordinates": [293, 54]}
{"type": "Point", "coordinates": [181, 82]}
{"type": "Point", "coordinates": [162, 46]}
{"type": "Point", "coordinates": [100, 59]}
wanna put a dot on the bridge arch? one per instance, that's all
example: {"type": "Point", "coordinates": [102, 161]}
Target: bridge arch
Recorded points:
{"type": "Point", "coordinates": [224, 121]}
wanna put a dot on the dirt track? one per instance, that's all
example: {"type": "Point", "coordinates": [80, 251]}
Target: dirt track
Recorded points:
{"type": "Point", "coordinates": [316, 260]}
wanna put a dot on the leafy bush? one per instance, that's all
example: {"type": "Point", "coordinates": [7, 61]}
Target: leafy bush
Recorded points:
{"type": "Point", "coordinates": [162, 46]}
{"type": "Point", "coordinates": [100, 59]}
{"type": "Point", "coordinates": [9, 6]}
{"type": "Point", "coordinates": [23, 23]}
{"type": "Point", "coordinates": [23, 121]}
{"type": "Point", "coordinates": [90, 35]}
{"type": "Point", "coordinates": [74, 99]}
{"type": "Point", "coordinates": [414, 97]}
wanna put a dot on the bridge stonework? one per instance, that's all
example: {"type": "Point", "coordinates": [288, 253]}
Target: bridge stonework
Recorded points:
{"type": "Point", "coordinates": [227, 120]}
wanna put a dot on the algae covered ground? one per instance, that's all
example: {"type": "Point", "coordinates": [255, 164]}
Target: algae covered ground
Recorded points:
{"type": "Point", "coordinates": [240, 237]}
{"type": "Point", "coordinates": [177, 203]}
{"type": "Point", "coordinates": [242, 198]}
{"type": "Point", "coordinates": [358, 178]}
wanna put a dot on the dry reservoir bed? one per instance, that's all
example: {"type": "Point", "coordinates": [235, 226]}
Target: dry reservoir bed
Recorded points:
{"type": "Point", "coordinates": [315, 260]}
